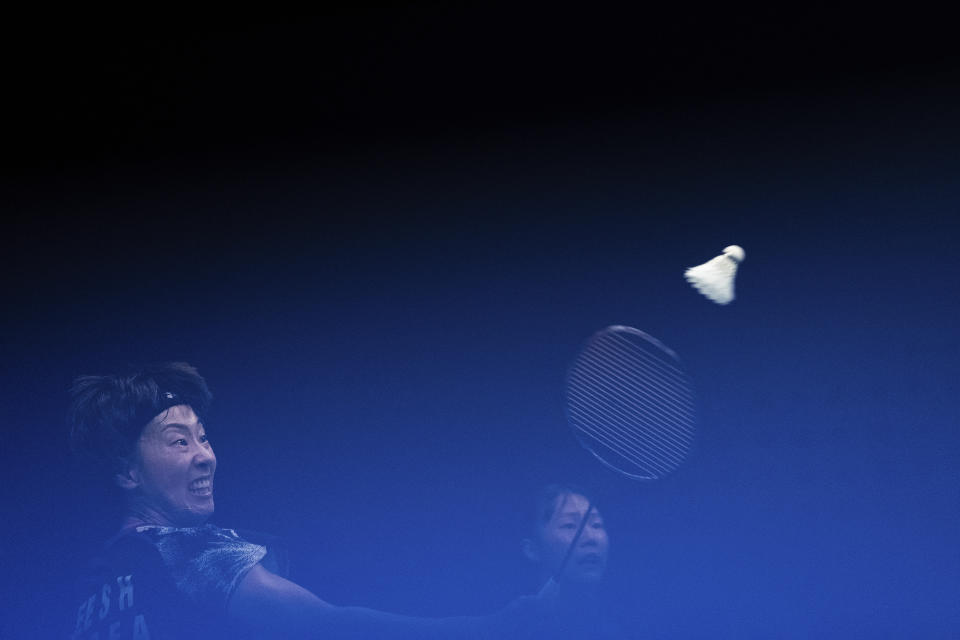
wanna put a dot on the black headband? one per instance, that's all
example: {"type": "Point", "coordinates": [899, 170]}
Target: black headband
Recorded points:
{"type": "Point", "coordinates": [165, 400]}
{"type": "Point", "coordinates": [168, 399]}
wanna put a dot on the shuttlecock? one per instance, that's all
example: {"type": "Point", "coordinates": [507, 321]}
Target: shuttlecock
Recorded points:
{"type": "Point", "coordinates": [714, 278]}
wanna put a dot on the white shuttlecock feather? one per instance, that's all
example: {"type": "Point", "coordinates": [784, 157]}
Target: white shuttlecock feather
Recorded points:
{"type": "Point", "coordinates": [714, 278]}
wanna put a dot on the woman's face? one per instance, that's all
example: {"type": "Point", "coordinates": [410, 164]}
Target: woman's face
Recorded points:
{"type": "Point", "coordinates": [173, 470]}
{"type": "Point", "coordinates": [588, 560]}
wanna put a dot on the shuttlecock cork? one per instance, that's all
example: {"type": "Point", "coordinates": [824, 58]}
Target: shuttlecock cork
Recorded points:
{"type": "Point", "coordinates": [714, 278]}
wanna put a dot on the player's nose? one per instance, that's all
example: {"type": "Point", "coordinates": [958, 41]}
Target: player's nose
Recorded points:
{"type": "Point", "coordinates": [205, 457]}
{"type": "Point", "coordinates": [589, 538]}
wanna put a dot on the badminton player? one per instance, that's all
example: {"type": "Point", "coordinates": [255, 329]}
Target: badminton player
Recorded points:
{"type": "Point", "coordinates": [571, 599]}
{"type": "Point", "coordinates": [168, 573]}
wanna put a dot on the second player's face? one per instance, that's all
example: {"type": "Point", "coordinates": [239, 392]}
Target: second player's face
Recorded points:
{"type": "Point", "coordinates": [588, 561]}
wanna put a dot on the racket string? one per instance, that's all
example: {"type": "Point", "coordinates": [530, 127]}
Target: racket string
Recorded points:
{"type": "Point", "coordinates": [629, 446]}
{"type": "Point", "coordinates": [635, 382]}
{"type": "Point", "coordinates": [624, 397]}
{"type": "Point", "coordinates": [652, 412]}
{"type": "Point", "coordinates": [627, 397]}
{"type": "Point", "coordinates": [632, 454]}
{"type": "Point", "coordinates": [629, 371]}
{"type": "Point", "coordinates": [678, 376]}
{"type": "Point", "coordinates": [675, 391]}
{"type": "Point", "coordinates": [657, 437]}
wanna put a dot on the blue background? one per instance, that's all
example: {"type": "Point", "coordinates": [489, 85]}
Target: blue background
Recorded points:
{"type": "Point", "coordinates": [383, 236]}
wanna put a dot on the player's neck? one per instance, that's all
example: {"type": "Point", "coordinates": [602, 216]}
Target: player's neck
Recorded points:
{"type": "Point", "coordinates": [584, 593]}
{"type": "Point", "coordinates": [139, 513]}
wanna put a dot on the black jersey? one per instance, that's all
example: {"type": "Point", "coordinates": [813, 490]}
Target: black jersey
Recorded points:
{"type": "Point", "coordinates": [158, 583]}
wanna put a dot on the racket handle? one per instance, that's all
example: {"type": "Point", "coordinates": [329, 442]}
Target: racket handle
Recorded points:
{"type": "Point", "coordinates": [563, 565]}
{"type": "Point", "coordinates": [549, 588]}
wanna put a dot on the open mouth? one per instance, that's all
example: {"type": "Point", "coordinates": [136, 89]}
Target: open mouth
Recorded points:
{"type": "Point", "coordinates": [202, 486]}
{"type": "Point", "coordinates": [591, 560]}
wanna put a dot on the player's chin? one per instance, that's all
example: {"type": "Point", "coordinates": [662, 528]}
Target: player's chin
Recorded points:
{"type": "Point", "coordinates": [589, 573]}
{"type": "Point", "coordinates": [200, 508]}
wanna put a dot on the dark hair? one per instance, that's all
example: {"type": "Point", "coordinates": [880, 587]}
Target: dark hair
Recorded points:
{"type": "Point", "coordinates": [546, 502]}
{"type": "Point", "coordinates": [108, 413]}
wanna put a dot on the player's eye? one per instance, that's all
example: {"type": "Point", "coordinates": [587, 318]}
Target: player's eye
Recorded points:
{"type": "Point", "coordinates": [204, 438]}
{"type": "Point", "coordinates": [181, 441]}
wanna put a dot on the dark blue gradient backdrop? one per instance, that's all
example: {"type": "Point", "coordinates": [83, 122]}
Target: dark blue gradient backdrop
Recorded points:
{"type": "Point", "coordinates": [384, 278]}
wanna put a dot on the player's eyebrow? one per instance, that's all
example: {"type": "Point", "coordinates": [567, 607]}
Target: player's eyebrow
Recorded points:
{"type": "Point", "coordinates": [578, 514]}
{"type": "Point", "coordinates": [180, 426]}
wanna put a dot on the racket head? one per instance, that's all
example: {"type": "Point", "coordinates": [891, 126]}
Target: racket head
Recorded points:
{"type": "Point", "coordinates": [630, 403]}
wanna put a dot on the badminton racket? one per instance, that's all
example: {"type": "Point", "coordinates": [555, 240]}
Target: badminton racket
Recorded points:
{"type": "Point", "coordinates": [630, 404]}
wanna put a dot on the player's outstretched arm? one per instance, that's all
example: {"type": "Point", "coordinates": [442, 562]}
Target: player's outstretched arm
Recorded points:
{"type": "Point", "coordinates": [271, 606]}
